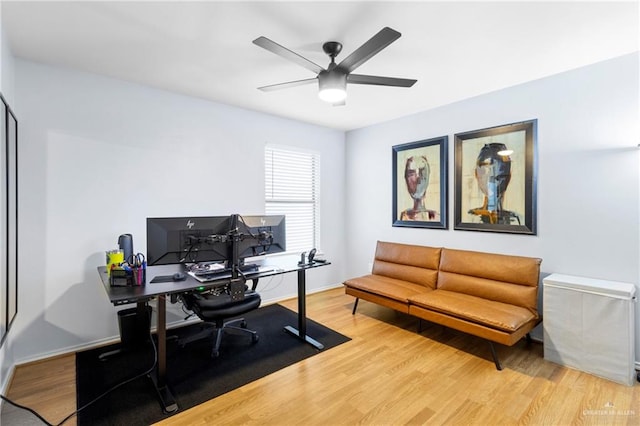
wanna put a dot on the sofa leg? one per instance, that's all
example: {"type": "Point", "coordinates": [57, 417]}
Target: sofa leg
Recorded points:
{"type": "Point", "coordinates": [495, 356]}
{"type": "Point", "coordinates": [529, 340]}
{"type": "Point", "coordinates": [355, 305]}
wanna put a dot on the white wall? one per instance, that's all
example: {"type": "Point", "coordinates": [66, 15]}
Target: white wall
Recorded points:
{"type": "Point", "coordinates": [6, 70]}
{"type": "Point", "coordinates": [587, 173]}
{"type": "Point", "coordinates": [99, 156]}
{"type": "Point", "coordinates": [86, 142]}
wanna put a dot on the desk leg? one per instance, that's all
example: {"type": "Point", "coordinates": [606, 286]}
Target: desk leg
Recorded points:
{"type": "Point", "coordinates": [301, 332]}
{"type": "Point", "coordinates": [158, 377]}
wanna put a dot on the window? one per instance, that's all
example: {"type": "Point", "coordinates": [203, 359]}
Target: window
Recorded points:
{"type": "Point", "coordinates": [292, 188]}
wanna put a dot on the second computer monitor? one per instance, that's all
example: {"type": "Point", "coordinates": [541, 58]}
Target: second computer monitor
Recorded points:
{"type": "Point", "coordinates": [262, 235]}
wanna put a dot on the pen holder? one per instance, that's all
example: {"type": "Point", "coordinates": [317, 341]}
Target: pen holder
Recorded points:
{"type": "Point", "coordinates": [126, 276]}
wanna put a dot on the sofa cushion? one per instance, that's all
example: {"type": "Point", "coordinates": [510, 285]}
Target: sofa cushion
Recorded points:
{"type": "Point", "coordinates": [520, 270]}
{"type": "Point", "coordinates": [415, 264]}
{"type": "Point", "coordinates": [493, 314]}
{"type": "Point", "coordinates": [498, 277]}
{"type": "Point", "coordinates": [389, 287]}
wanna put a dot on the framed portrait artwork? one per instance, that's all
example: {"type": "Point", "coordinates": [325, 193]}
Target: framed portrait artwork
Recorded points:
{"type": "Point", "coordinates": [420, 184]}
{"type": "Point", "coordinates": [495, 179]}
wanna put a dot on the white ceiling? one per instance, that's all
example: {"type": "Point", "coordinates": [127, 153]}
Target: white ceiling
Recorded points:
{"type": "Point", "coordinates": [454, 49]}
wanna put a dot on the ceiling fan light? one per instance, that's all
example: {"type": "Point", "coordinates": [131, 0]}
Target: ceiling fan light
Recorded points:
{"type": "Point", "coordinates": [333, 86]}
{"type": "Point", "coordinates": [332, 95]}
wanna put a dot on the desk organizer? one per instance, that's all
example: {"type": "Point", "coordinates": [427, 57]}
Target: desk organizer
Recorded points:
{"type": "Point", "coordinates": [127, 276]}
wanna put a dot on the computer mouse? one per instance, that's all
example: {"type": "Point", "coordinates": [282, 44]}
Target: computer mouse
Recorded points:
{"type": "Point", "coordinates": [179, 276]}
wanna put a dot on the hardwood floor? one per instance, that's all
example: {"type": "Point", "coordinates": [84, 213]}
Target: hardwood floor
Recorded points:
{"type": "Point", "coordinates": [48, 386]}
{"type": "Point", "coordinates": [387, 374]}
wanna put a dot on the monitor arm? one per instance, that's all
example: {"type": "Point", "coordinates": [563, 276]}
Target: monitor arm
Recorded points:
{"type": "Point", "coordinates": [233, 237]}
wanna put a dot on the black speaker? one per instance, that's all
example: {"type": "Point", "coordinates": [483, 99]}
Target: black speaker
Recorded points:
{"type": "Point", "coordinates": [125, 243]}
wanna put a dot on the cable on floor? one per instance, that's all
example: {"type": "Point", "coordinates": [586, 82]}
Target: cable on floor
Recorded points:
{"type": "Point", "coordinates": [93, 401]}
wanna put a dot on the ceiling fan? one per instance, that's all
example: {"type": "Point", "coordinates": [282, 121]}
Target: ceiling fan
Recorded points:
{"type": "Point", "coordinates": [333, 80]}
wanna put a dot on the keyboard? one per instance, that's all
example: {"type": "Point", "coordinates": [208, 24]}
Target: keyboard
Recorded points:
{"type": "Point", "coordinates": [204, 277]}
{"type": "Point", "coordinates": [208, 276]}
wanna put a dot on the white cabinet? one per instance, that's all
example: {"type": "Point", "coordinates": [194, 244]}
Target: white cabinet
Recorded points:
{"type": "Point", "coordinates": [589, 324]}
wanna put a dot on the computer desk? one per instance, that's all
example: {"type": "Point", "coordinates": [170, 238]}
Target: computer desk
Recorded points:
{"type": "Point", "coordinates": [142, 294]}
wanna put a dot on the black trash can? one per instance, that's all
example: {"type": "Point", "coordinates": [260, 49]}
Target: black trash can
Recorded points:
{"type": "Point", "coordinates": [134, 325]}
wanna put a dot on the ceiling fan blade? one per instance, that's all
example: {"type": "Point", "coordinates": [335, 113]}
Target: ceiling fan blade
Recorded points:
{"type": "Point", "coordinates": [279, 50]}
{"type": "Point", "coordinates": [380, 81]}
{"type": "Point", "coordinates": [288, 84]}
{"type": "Point", "coordinates": [375, 44]}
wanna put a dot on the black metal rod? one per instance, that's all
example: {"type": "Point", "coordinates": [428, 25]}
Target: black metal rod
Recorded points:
{"type": "Point", "coordinates": [495, 356]}
{"type": "Point", "coordinates": [301, 331]}
{"type": "Point", "coordinates": [302, 302]}
{"type": "Point", "coordinates": [169, 404]}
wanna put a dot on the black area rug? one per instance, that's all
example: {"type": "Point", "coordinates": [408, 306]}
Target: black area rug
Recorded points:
{"type": "Point", "coordinates": [193, 376]}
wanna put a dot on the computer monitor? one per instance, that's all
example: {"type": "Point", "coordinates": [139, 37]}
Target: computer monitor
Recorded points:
{"type": "Point", "coordinates": [173, 240]}
{"type": "Point", "coordinates": [266, 235]}
{"type": "Point", "coordinates": [228, 239]}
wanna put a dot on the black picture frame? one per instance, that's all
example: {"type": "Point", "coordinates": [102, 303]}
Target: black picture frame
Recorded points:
{"type": "Point", "coordinates": [4, 223]}
{"type": "Point", "coordinates": [430, 209]}
{"type": "Point", "coordinates": [496, 179]}
{"type": "Point", "coordinates": [12, 217]}
{"type": "Point", "coordinates": [9, 219]}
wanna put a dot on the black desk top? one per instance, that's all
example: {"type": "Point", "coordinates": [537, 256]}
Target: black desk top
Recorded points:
{"type": "Point", "coordinates": [132, 294]}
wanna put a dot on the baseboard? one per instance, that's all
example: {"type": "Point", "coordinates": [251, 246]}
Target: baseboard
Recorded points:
{"type": "Point", "coordinates": [69, 349]}
{"type": "Point", "coordinates": [115, 339]}
{"type": "Point", "coordinates": [7, 384]}
{"type": "Point", "coordinates": [93, 344]}
{"type": "Point", "coordinates": [294, 295]}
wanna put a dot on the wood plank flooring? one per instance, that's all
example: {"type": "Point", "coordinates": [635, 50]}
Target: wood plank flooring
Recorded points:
{"type": "Point", "coordinates": [387, 374]}
{"type": "Point", "coordinates": [47, 386]}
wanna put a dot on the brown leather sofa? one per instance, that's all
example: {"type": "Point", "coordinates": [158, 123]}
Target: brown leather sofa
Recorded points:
{"type": "Point", "coordinates": [492, 296]}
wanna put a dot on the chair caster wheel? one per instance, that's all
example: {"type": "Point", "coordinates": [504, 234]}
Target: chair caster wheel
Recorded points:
{"type": "Point", "coordinates": [243, 324]}
{"type": "Point", "coordinates": [255, 338]}
{"type": "Point", "coordinates": [215, 354]}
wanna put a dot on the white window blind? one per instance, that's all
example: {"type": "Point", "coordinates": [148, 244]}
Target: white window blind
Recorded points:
{"type": "Point", "coordinates": [292, 188]}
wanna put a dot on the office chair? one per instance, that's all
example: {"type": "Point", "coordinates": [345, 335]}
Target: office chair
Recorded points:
{"type": "Point", "coordinates": [214, 308]}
